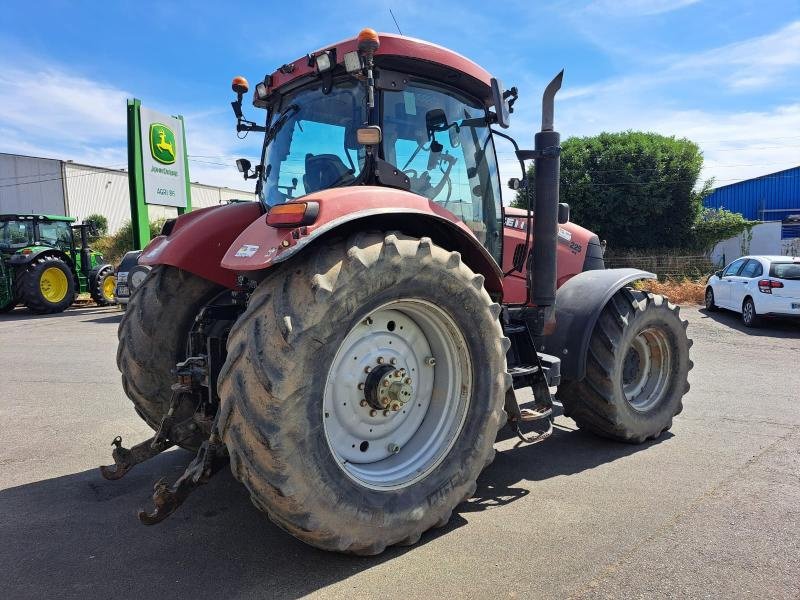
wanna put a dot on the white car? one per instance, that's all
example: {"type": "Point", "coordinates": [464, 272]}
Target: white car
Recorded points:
{"type": "Point", "coordinates": [757, 286]}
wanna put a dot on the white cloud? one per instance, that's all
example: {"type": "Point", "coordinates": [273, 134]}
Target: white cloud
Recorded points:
{"type": "Point", "coordinates": [69, 116]}
{"type": "Point", "coordinates": [752, 63]}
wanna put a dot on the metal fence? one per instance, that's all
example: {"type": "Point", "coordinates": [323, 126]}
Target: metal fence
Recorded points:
{"type": "Point", "coordinates": [665, 266]}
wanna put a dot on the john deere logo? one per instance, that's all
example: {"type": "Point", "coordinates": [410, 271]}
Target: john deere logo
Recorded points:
{"type": "Point", "coordinates": [162, 143]}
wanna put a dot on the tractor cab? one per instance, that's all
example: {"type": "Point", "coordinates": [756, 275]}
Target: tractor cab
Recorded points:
{"type": "Point", "coordinates": [420, 126]}
{"type": "Point", "coordinates": [18, 232]}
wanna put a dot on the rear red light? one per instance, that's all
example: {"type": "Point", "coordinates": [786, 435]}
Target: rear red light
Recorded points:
{"type": "Point", "coordinates": [765, 285]}
{"type": "Point", "coordinates": [293, 214]}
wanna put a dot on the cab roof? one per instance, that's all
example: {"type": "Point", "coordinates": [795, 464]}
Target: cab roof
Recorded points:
{"type": "Point", "coordinates": [12, 217]}
{"type": "Point", "coordinates": [406, 54]}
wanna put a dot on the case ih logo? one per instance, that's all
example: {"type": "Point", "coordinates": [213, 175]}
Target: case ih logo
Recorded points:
{"type": "Point", "coordinates": [162, 143]}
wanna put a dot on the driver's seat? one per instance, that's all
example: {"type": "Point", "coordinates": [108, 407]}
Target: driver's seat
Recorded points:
{"type": "Point", "coordinates": [324, 171]}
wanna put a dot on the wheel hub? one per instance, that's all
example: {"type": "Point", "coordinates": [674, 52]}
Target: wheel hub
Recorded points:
{"type": "Point", "coordinates": [388, 388]}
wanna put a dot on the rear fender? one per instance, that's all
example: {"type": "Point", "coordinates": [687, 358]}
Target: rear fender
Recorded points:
{"type": "Point", "coordinates": [198, 240]}
{"type": "Point", "coordinates": [579, 303]}
{"type": "Point", "coordinates": [23, 260]}
{"type": "Point", "coordinates": [347, 210]}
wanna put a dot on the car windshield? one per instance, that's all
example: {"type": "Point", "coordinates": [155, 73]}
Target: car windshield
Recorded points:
{"type": "Point", "coordinates": [785, 270]}
{"type": "Point", "coordinates": [314, 146]}
{"type": "Point", "coordinates": [15, 234]}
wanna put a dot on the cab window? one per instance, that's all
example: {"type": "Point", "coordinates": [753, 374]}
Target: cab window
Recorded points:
{"type": "Point", "coordinates": [441, 141]}
{"type": "Point", "coordinates": [55, 233]}
{"type": "Point", "coordinates": [15, 234]}
{"type": "Point", "coordinates": [733, 268]}
{"type": "Point", "coordinates": [753, 268]}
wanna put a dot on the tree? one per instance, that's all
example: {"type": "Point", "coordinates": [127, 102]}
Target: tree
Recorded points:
{"type": "Point", "coordinates": [634, 189]}
{"type": "Point", "coordinates": [100, 226]}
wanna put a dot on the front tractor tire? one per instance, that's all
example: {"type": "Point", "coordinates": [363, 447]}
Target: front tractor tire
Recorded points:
{"type": "Point", "coordinates": [102, 284]}
{"type": "Point", "coordinates": [46, 286]}
{"type": "Point", "coordinates": [636, 370]}
{"type": "Point", "coordinates": [363, 391]}
{"type": "Point", "coordinates": [153, 337]}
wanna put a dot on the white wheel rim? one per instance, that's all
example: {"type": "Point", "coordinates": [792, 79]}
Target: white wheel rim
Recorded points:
{"type": "Point", "coordinates": [390, 447]}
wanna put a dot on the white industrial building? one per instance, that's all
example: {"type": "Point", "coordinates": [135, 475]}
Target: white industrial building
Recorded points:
{"type": "Point", "coordinates": [32, 185]}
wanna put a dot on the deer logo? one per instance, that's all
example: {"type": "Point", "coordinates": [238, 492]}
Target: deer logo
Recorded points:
{"type": "Point", "coordinates": [162, 143]}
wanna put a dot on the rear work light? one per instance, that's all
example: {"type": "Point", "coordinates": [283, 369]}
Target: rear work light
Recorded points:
{"type": "Point", "coordinates": [293, 214]}
{"type": "Point", "coordinates": [765, 285]}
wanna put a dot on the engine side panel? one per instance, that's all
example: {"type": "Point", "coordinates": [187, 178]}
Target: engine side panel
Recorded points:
{"type": "Point", "coordinates": [573, 244]}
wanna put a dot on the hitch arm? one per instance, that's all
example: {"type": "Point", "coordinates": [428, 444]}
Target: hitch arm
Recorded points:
{"type": "Point", "coordinates": [125, 459]}
{"type": "Point", "coordinates": [209, 460]}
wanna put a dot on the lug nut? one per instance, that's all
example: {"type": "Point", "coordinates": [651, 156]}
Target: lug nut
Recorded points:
{"type": "Point", "coordinates": [361, 386]}
{"type": "Point", "coordinates": [393, 448]}
{"type": "Point", "coordinates": [373, 412]}
{"type": "Point", "coordinates": [380, 360]}
{"type": "Point", "coordinates": [385, 383]}
{"type": "Point", "coordinates": [395, 407]}
{"type": "Point", "coordinates": [393, 361]}
{"type": "Point", "coordinates": [363, 403]}
{"type": "Point", "coordinates": [367, 369]}
{"type": "Point", "coordinates": [430, 361]}
{"type": "Point", "coordinates": [407, 380]}
{"type": "Point", "coordinates": [386, 413]}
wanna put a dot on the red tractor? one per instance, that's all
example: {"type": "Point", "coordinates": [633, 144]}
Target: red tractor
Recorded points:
{"type": "Point", "coordinates": [351, 344]}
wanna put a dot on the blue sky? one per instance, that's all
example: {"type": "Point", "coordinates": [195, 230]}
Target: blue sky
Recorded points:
{"type": "Point", "coordinates": [723, 73]}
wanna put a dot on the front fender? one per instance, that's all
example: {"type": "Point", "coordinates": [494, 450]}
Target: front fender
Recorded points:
{"type": "Point", "coordinates": [345, 210]}
{"type": "Point", "coordinates": [20, 259]}
{"type": "Point", "coordinates": [579, 303]}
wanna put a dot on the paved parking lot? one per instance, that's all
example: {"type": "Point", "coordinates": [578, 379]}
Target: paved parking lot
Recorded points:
{"type": "Point", "coordinates": [709, 510]}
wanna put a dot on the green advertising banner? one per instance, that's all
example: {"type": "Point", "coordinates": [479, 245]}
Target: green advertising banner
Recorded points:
{"type": "Point", "coordinates": [158, 166]}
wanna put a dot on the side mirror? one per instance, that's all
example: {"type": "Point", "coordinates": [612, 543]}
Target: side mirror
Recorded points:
{"type": "Point", "coordinates": [515, 183]}
{"type": "Point", "coordinates": [435, 120]}
{"type": "Point", "coordinates": [501, 106]}
{"type": "Point", "coordinates": [718, 273]}
{"type": "Point", "coordinates": [563, 213]}
{"type": "Point", "coordinates": [243, 165]}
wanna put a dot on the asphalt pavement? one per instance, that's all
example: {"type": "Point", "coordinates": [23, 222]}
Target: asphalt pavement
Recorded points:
{"type": "Point", "coordinates": [711, 509]}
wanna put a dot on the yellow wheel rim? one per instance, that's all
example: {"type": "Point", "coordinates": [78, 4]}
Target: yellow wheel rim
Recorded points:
{"type": "Point", "coordinates": [53, 285]}
{"type": "Point", "coordinates": [109, 284]}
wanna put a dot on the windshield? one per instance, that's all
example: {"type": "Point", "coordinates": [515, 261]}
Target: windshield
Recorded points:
{"type": "Point", "coordinates": [15, 234]}
{"type": "Point", "coordinates": [785, 270]}
{"type": "Point", "coordinates": [440, 139]}
{"type": "Point", "coordinates": [314, 145]}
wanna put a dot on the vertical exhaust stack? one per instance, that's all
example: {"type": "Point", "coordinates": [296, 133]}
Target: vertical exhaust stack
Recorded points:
{"type": "Point", "coordinates": [547, 150]}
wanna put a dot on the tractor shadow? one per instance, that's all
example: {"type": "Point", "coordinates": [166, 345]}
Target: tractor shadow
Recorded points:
{"type": "Point", "coordinates": [77, 536]}
{"type": "Point", "coordinates": [773, 327]}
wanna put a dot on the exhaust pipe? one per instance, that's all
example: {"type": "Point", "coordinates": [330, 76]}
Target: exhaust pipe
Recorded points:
{"type": "Point", "coordinates": [547, 150]}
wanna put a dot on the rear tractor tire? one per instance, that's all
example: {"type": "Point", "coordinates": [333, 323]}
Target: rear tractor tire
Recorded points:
{"type": "Point", "coordinates": [102, 284]}
{"type": "Point", "coordinates": [46, 286]}
{"type": "Point", "coordinates": [363, 391]}
{"type": "Point", "coordinates": [153, 337]}
{"type": "Point", "coordinates": [636, 370]}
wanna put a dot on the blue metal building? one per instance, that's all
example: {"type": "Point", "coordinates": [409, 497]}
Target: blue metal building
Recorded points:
{"type": "Point", "coordinates": [772, 197]}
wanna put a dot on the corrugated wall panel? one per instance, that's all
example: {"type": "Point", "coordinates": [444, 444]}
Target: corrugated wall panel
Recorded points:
{"type": "Point", "coordinates": [98, 191]}
{"type": "Point", "coordinates": [30, 185]}
{"type": "Point", "coordinates": [768, 198]}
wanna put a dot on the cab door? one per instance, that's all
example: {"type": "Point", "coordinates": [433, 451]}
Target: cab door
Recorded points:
{"type": "Point", "coordinates": [745, 283]}
{"type": "Point", "coordinates": [722, 291]}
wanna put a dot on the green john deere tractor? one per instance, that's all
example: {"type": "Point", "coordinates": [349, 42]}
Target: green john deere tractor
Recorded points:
{"type": "Point", "coordinates": [42, 268]}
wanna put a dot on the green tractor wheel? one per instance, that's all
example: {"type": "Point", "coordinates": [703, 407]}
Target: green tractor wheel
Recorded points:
{"type": "Point", "coordinates": [8, 306]}
{"type": "Point", "coordinates": [46, 286]}
{"type": "Point", "coordinates": [102, 284]}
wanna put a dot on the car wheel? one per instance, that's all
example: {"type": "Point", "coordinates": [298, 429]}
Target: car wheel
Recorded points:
{"type": "Point", "coordinates": [749, 315]}
{"type": "Point", "coordinates": [710, 306]}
